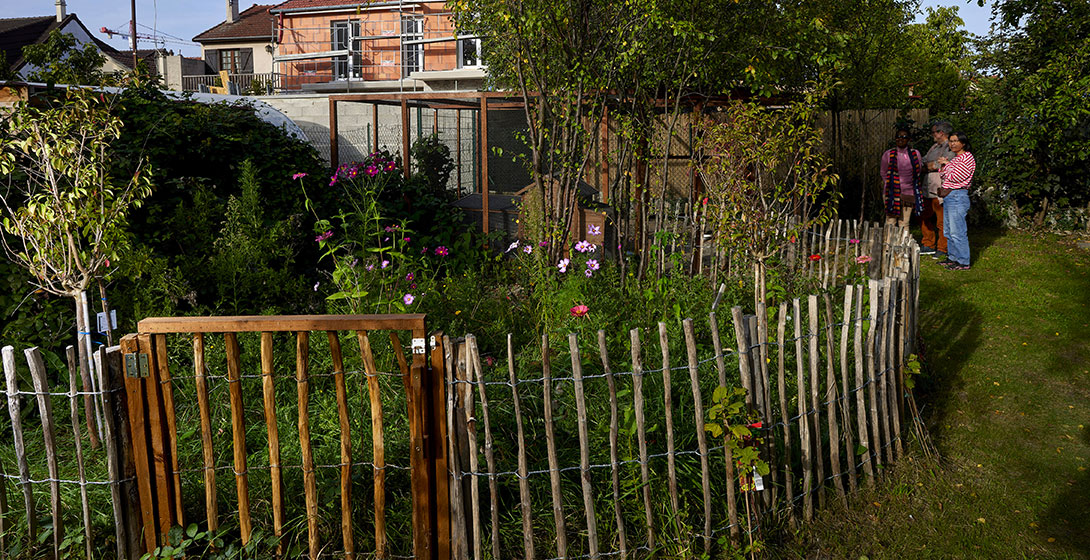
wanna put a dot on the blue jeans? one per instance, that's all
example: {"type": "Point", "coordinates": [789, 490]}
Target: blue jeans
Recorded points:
{"type": "Point", "coordinates": [955, 207]}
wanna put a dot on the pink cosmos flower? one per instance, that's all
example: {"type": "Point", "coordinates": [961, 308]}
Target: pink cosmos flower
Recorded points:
{"type": "Point", "coordinates": [385, 264]}
{"type": "Point", "coordinates": [324, 236]}
{"type": "Point", "coordinates": [584, 246]}
{"type": "Point", "coordinates": [371, 171]}
{"type": "Point", "coordinates": [588, 272]}
{"type": "Point", "coordinates": [527, 249]}
{"type": "Point", "coordinates": [862, 259]}
{"type": "Point", "coordinates": [594, 230]}
{"type": "Point", "coordinates": [563, 265]}
{"type": "Point", "coordinates": [592, 264]}
{"type": "Point", "coordinates": [514, 245]}
{"type": "Point", "coordinates": [442, 251]}
{"type": "Point", "coordinates": [580, 311]}
{"type": "Point", "coordinates": [409, 277]}
{"type": "Point", "coordinates": [298, 176]}
{"type": "Point", "coordinates": [853, 241]}
{"type": "Point", "coordinates": [408, 299]}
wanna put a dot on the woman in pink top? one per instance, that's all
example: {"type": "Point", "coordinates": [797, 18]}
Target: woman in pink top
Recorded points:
{"type": "Point", "coordinates": [901, 169]}
{"type": "Point", "coordinates": [957, 176]}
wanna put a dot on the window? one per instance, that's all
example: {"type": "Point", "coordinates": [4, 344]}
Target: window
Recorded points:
{"type": "Point", "coordinates": [231, 61]}
{"type": "Point", "coordinates": [412, 51]}
{"type": "Point", "coordinates": [346, 36]}
{"type": "Point", "coordinates": [469, 53]}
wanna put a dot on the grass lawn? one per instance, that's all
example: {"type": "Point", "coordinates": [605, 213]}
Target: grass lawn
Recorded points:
{"type": "Point", "coordinates": [1007, 399]}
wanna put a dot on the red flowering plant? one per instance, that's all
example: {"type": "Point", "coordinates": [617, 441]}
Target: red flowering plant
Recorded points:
{"type": "Point", "coordinates": [374, 265]}
{"type": "Point", "coordinates": [740, 428]}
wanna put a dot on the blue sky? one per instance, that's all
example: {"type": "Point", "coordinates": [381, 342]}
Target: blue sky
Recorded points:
{"type": "Point", "coordinates": [187, 18]}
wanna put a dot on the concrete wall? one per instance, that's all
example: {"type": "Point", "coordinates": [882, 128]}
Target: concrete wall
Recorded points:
{"type": "Point", "coordinates": [172, 68]}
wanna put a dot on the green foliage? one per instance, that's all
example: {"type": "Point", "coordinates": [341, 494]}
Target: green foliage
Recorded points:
{"type": "Point", "coordinates": [58, 60]}
{"type": "Point", "coordinates": [213, 545]}
{"type": "Point", "coordinates": [434, 163]}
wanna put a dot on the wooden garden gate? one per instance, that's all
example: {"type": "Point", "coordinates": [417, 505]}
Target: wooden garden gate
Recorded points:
{"type": "Point", "coordinates": [154, 430]}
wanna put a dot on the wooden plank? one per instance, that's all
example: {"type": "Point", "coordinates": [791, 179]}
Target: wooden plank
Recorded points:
{"type": "Point", "coordinates": [238, 435]}
{"type": "Point", "coordinates": [893, 381]}
{"type": "Point", "coordinates": [846, 402]}
{"type": "Point", "coordinates": [740, 329]}
{"type": "Point", "coordinates": [347, 536]}
{"type": "Point", "coordinates": [105, 361]}
{"type": "Point", "coordinates": [439, 465]}
{"type": "Point", "coordinates": [489, 456]}
{"type": "Point", "coordinates": [804, 419]}
{"type": "Point", "coordinates": [897, 403]}
{"type": "Point", "coordinates": [869, 361]}
{"type": "Point", "coordinates": [523, 469]}
{"type": "Point", "coordinates": [832, 401]}
{"type": "Point", "coordinates": [732, 500]}
{"type": "Point", "coordinates": [459, 546]}
{"type": "Point", "coordinates": [753, 342]}
{"type": "Point", "coordinates": [377, 442]}
{"type": "Point", "coordinates": [641, 433]}
{"type": "Point", "coordinates": [134, 392]}
{"type": "Point", "coordinates": [781, 384]}
{"type": "Point", "coordinates": [164, 507]}
{"type": "Point", "coordinates": [701, 438]}
{"type": "Point", "coordinates": [884, 375]}
{"type": "Point", "coordinates": [208, 453]}
{"type": "Point", "coordinates": [160, 344]}
{"type": "Point", "coordinates": [310, 487]}
{"type": "Point", "coordinates": [860, 391]}
{"type": "Point", "coordinates": [15, 411]}
{"type": "Point", "coordinates": [815, 406]}
{"type": "Point", "coordinates": [268, 401]}
{"type": "Point", "coordinates": [49, 436]}
{"type": "Point", "coordinates": [550, 441]}
{"type": "Point", "coordinates": [668, 411]}
{"type": "Point", "coordinates": [614, 452]}
{"type": "Point", "coordinates": [584, 447]}
{"type": "Point", "coordinates": [280, 323]}
{"type": "Point", "coordinates": [413, 373]}
{"type": "Point", "coordinates": [4, 527]}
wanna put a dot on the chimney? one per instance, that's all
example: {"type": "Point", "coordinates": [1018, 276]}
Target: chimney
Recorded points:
{"type": "Point", "coordinates": [61, 11]}
{"type": "Point", "coordinates": [232, 11]}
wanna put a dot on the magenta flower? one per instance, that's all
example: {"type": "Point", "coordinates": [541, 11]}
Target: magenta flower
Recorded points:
{"type": "Point", "coordinates": [442, 251]}
{"type": "Point", "coordinates": [298, 176]}
{"type": "Point", "coordinates": [371, 171]}
{"type": "Point", "coordinates": [584, 246]}
{"type": "Point", "coordinates": [542, 243]}
{"type": "Point", "coordinates": [324, 236]}
{"type": "Point", "coordinates": [580, 311]}
{"type": "Point", "coordinates": [862, 259]}
{"type": "Point", "coordinates": [853, 241]}
{"type": "Point", "coordinates": [592, 265]}
{"type": "Point", "coordinates": [408, 299]}
{"type": "Point", "coordinates": [409, 277]}
{"type": "Point", "coordinates": [408, 240]}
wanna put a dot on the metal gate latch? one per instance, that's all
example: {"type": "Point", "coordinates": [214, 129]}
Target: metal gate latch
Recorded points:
{"type": "Point", "coordinates": [419, 346]}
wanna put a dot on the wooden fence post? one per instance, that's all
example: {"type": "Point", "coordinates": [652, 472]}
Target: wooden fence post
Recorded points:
{"type": "Point", "coordinates": [15, 410]}
{"type": "Point", "coordinates": [45, 411]}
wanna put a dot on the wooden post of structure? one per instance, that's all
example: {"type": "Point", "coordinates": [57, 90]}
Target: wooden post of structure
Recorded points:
{"type": "Point", "coordinates": [484, 164]}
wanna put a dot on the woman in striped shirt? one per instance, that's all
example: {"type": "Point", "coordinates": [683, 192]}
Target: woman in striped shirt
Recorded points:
{"type": "Point", "coordinates": [957, 176]}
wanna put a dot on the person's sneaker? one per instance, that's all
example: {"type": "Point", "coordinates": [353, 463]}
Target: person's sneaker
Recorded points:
{"type": "Point", "coordinates": [946, 262]}
{"type": "Point", "coordinates": [958, 266]}
{"type": "Point", "coordinates": [939, 255]}
{"type": "Point", "coordinates": [927, 251]}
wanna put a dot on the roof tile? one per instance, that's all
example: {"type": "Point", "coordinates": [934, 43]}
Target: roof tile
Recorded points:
{"type": "Point", "coordinates": [254, 22]}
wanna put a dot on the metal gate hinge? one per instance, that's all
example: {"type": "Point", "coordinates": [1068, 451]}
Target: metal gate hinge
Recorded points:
{"type": "Point", "coordinates": [419, 346]}
{"type": "Point", "coordinates": [137, 365]}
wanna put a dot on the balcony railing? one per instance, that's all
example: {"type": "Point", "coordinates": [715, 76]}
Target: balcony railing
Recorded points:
{"type": "Point", "coordinates": [254, 84]}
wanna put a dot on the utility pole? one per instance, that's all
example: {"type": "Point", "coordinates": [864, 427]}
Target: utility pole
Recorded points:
{"type": "Point", "coordinates": [132, 35]}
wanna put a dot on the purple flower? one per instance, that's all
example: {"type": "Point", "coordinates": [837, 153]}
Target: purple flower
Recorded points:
{"type": "Point", "coordinates": [527, 249]}
{"type": "Point", "coordinates": [594, 230]}
{"type": "Point", "coordinates": [409, 277]}
{"type": "Point", "coordinates": [585, 246]}
{"type": "Point", "coordinates": [588, 272]}
{"type": "Point", "coordinates": [853, 241]}
{"type": "Point", "coordinates": [370, 267]}
{"type": "Point", "coordinates": [563, 265]}
{"type": "Point", "coordinates": [298, 176]}
{"type": "Point", "coordinates": [542, 243]}
{"type": "Point", "coordinates": [592, 265]}
{"type": "Point", "coordinates": [408, 299]}
{"type": "Point", "coordinates": [390, 228]}
{"type": "Point", "coordinates": [408, 240]}
{"type": "Point", "coordinates": [371, 171]}
{"type": "Point", "coordinates": [354, 263]}
{"type": "Point", "coordinates": [385, 264]}
{"type": "Point", "coordinates": [441, 251]}
{"type": "Point", "coordinates": [324, 236]}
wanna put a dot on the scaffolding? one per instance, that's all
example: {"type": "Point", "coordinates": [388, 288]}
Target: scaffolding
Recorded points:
{"type": "Point", "coordinates": [383, 42]}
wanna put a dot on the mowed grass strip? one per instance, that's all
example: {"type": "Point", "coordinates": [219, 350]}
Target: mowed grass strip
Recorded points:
{"type": "Point", "coordinates": [1006, 395]}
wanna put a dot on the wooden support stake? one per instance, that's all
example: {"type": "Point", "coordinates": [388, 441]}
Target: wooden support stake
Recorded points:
{"type": "Point", "coordinates": [347, 536]}
{"type": "Point", "coordinates": [474, 451]}
{"type": "Point", "coordinates": [614, 453]}
{"type": "Point", "coordinates": [584, 447]}
{"type": "Point", "coordinates": [701, 439]}
{"type": "Point", "coordinates": [846, 400]}
{"type": "Point", "coordinates": [378, 445]}
{"type": "Point", "coordinates": [238, 435]}
{"type": "Point", "coordinates": [210, 501]}
{"type": "Point", "coordinates": [550, 441]}
{"type": "Point", "coordinates": [815, 401]}
{"type": "Point", "coordinates": [459, 547]}
{"type": "Point", "coordinates": [884, 374]}
{"type": "Point", "coordinates": [523, 470]}
{"type": "Point", "coordinates": [45, 412]}
{"type": "Point", "coordinates": [641, 433]}
{"type": "Point", "coordinates": [732, 500]}
{"type": "Point", "coordinates": [869, 361]}
{"type": "Point", "coordinates": [160, 344]}
{"type": "Point", "coordinates": [134, 393]}
{"type": "Point", "coordinates": [15, 410]}
{"type": "Point", "coordinates": [804, 419]}
{"type": "Point", "coordinates": [668, 410]}
{"type": "Point", "coordinates": [781, 384]}
{"type": "Point", "coordinates": [105, 362]}
{"type": "Point", "coordinates": [268, 398]}
{"type": "Point", "coordinates": [489, 455]}
{"type": "Point", "coordinates": [310, 487]}
{"type": "Point", "coordinates": [832, 402]}
{"type": "Point", "coordinates": [860, 391]}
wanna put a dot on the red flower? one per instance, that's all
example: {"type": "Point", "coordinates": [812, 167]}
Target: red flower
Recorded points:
{"type": "Point", "coordinates": [815, 257]}
{"type": "Point", "coordinates": [756, 425]}
{"type": "Point", "coordinates": [580, 311]}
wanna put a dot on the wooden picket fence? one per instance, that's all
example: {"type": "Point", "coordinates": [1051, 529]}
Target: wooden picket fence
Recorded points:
{"type": "Point", "coordinates": [829, 426]}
